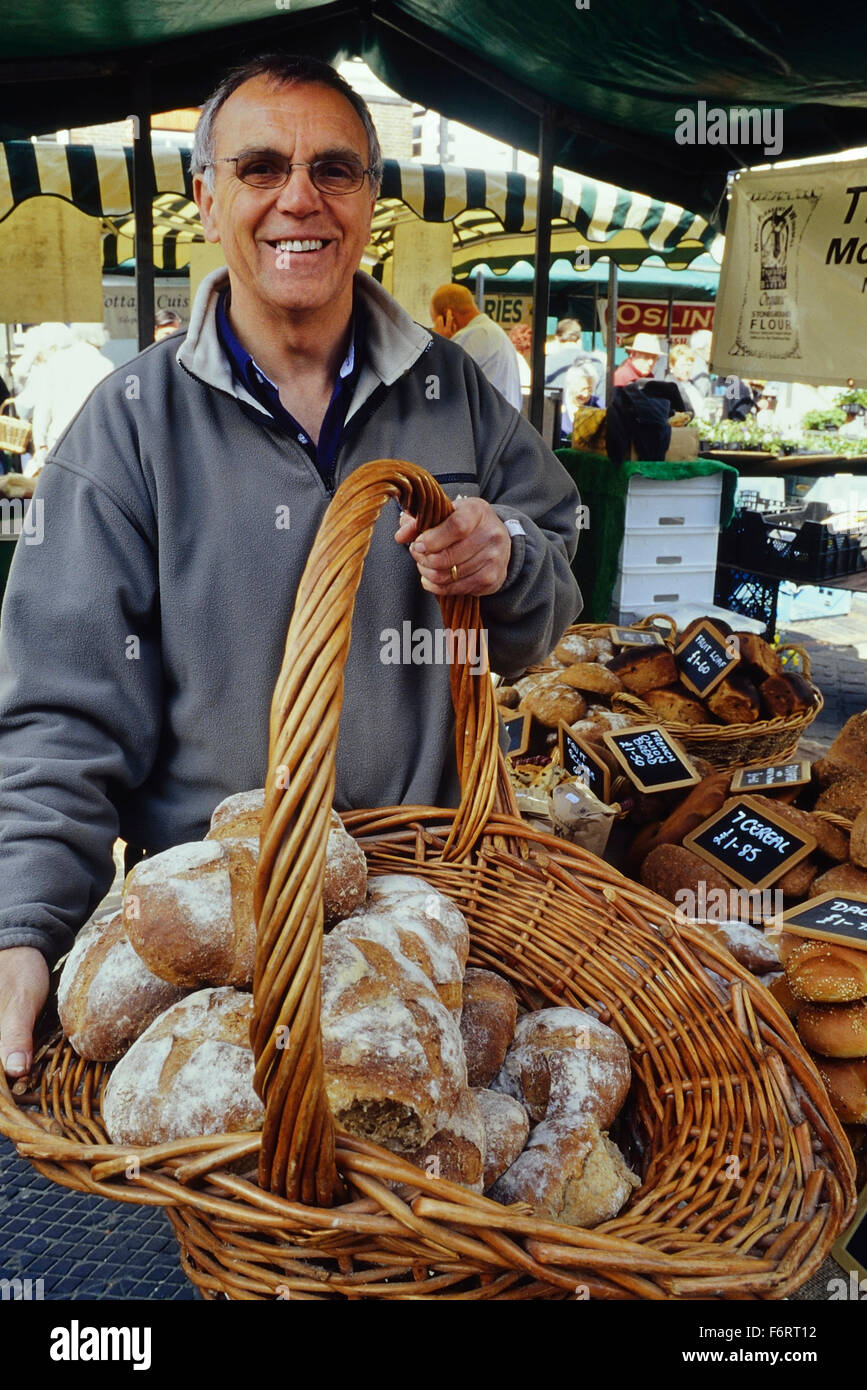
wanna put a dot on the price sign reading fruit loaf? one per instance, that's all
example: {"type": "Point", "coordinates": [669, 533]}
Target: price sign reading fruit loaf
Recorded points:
{"type": "Point", "coordinates": [652, 759]}
{"type": "Point", "coordinates": [750, 844]}
{"type": "Point", "coordinates": [833, 916]}
{"type": "Point", "coordinates": [705, 658]}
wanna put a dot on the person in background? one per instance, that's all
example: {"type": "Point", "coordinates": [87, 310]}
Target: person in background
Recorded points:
{"type": "Point", "coordinates": [565, 351]}
{"type": "Point", "coordinates": [166, 322]}
{"type": "Point", "coordinates": [700, 342]}
{"type": "Point", "coordinates": [454, 314]}
{"type": "Point", "coordinates": [521, 338]}
{"type": "Point", "coordinates": [641, 358]}
{"type": "Point", "coordinates": [579, 390]}
{"type": "Point", "coordinates": [62, 366]}
{"type": "Point", "coordinates": [681, 368]}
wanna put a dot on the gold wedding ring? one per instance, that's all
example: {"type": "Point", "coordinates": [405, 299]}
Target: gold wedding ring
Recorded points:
{"type": "Point", "coordinates": [454, 572]}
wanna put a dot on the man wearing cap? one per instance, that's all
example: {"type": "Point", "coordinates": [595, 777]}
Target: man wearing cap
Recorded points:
{"type": "Point", "coordinates": [641, 359]}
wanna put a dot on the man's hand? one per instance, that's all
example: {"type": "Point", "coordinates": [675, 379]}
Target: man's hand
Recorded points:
{"type": "Point", "coordinates": [473, 540]}
{"type": "Point", "coordinates": [23, 992]}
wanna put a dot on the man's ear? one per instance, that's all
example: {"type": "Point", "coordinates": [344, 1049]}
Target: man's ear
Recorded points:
{"type": "Point", "coordinates": [204, 197]}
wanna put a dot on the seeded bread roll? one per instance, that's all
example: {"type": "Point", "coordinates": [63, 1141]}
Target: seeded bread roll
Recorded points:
{"type": "Point", "coordinates": [787, 695]}
{"type": "Point", "coordinates": [488, 1021]}
{"type": "Point", "coordinates": [845, 797]}
{"type": "Point", "coordinates": [457, 1152]}
{"type": "Point", "coordinates": [408, 917]}
{"type": "Point", "coordinates": [107, 997]}
{"type": "Point", "coordinates": [573, 647]}
{"type": "Point", "coordinates": [672, 870]}
{"type": "Point", "coordinates": [735, 700]}
{"type": "Point", "coordinates": [592, 678]}
{"type": "Point", "coordinates": [644, 668]}
{"type": "Point", "coordinates": [842, 878]}
{"type": "Point", "coordinates": [394, 1064]}
{"type": "Point", "coordinates": [190, 1073]}
{"type": "Point", "coordinates": [846, 1084]}
{"type": "Point", "coordinates": [556, 702]}
{"type": "Point", "coordinates": [507, 1129]}
{"type": "Point", "coordinates": [188, 912]}
{"type": "Point", "coordinates": [566, 1059]}
{"type": "Point", "coordinates": [567, 1173]}
{"type": "Point", "coordinates": [824, 972]}
{"type": "Point", "coordinates": [758, 659]}
{"type": "Point", "coordinates": [675, 704]}
{"type": "Point", "coordinates": [835, 1030]}
{"type": "Point", "coordinates": [782, 992]}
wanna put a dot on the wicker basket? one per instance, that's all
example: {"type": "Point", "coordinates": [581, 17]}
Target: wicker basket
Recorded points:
{"type": "Point", "coordinates": [747, 1176]}
{"type": "Point", "coordinates": [14, 434]}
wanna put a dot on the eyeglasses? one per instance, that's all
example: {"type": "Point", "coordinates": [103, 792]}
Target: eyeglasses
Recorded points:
{"type": "Point", "coordinates": [260, 170]}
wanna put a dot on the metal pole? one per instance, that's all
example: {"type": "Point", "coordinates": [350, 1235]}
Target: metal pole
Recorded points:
{"type": "Point", "coordinates": [480, 290]}
{"type": "Point", "coordinates": [547, 131]}
{"type": "Point", "coordinates": [143, 195]}
{"type": "Point", "coordinates": [612, 330]}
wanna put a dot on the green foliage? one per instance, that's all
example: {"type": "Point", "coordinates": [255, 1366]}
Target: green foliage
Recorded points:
{"type": "Point", "coordinates": [856, 396]}
{"type": "Point", "coordinates": [824, 418]}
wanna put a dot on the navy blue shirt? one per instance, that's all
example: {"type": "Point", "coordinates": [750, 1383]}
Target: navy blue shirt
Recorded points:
{"type": "Point", "coordinates": [262, 388]}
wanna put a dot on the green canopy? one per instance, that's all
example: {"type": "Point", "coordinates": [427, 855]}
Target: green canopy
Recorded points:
{"type": "Point", "coordinates": [614, 76]}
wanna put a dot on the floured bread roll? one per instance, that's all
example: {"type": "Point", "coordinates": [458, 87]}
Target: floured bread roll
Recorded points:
{"type": "Point", "coordinates": [565, 1057]}
{"type": "Point", "coordinates": [107, 996]}
{"type": "Point", "coordinates": [188, 912]}
{"type": "Point", "coordinates": [488, 1018]}
{"type": "Point", "coordinates": [568, 1173]}
{"type": "Point", "coordinates": [239, 818]}
{"type": "Point", "coordinates": [190, 1073]}
{"type": "Point", "coordinates": [394, 1064]}
{"type": "Point", "coordinates": [409, 917]}
{"type": "Point", "coordinates": [506, 1131]}
{"type": "Point", "coordinates": [457, 1152]}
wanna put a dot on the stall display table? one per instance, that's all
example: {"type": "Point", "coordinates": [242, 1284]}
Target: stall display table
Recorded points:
{"type": "Point", "coordinates": [603, 487]}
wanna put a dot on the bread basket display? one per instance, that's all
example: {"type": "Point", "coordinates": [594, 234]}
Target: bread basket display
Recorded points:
{"type": "Point", "coordinates": [745, 1176]}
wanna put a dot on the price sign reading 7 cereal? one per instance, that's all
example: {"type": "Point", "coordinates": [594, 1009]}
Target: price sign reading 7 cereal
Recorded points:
{"type": "Point", "coordinates": [749, 842]}
{"type": "Point", "coordinates": [652, 759]}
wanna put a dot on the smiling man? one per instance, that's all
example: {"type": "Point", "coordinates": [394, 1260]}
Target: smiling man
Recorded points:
{"type": "Point", "coordinates": [141, 641]}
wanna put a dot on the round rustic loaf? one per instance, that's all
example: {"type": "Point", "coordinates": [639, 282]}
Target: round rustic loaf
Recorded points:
{"type": "Point", "coordinates": [644, 668]}
{"type": "Point", "coordinates": [563, 1059]}
{"type": "Point", "coordinates": [574, 647]}
{"type": "Point", "coordinates": [553, 703]}
{"type": "Point", "coordinates": [571, 1174]}
{"type": "Point", "coordinates": [107, 997]}
{"type": "Point", "coordinates": [835, 1030]}
{"type": "Point", "coordinates": [824, 972]}
{"type": "Point", "coordinates": [507, 1129]}
{"type": "Point", "coordinates": [488, 1018]}
{"type": "Point", "coordinates": [846, 1084]}
{"type": "Point", "coordinates": [591, 678]}
{"type": "Point", "coordinates": [190, 1073]}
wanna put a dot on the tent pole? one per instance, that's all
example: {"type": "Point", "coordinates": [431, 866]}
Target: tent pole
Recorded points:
{"type": "Point", "coordinates": [612, 330]}
{"type": "Point", "coordinates": [143, 194]}
{"type": "Point", "coordinates": [545, 202]}
{"type": "Point", "coordinates": [480, 290]}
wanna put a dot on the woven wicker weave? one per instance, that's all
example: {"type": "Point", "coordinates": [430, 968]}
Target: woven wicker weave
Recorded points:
{"type": "Point", "coordinates": [14, 434]}
{"type": "Point", "coordinates": [747, 1176]}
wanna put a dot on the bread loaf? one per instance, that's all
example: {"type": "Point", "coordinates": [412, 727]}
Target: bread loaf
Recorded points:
{"type": "Point", "coordinates": [673, 703]}
{"type": "Point", "coordinates": [796, 882]}
{"type": "Point", "coordinates": [394, 1064]}
{"type": "Point", "coordinates": [591, 678]}
{"type": "Point", "coordinates": [858, 840]}
{"type": "Point", "coordinates": [457, 1152]}
{"type": "Point", "coordinates": [507, 1129]}
{"type": "Point", "coordinates": [824, 972]}
{"type": "Point", "coordinates": [490, 1012]}
{"type": "Point", "coordinates": [845, 797]}
{"type": "Point", "coordinates": [835, 1030]}
{"type": "Point", "coordinates": [672, 871]}
{"type": "Point", "coordinates": [239, 817]}
{"type": "Point", "coordinates": [841, 878]}
{"type": "Point", "coordinates": [565, 1058]}
{"type": "Point", "coordinates": [507, 696]}
{"type": "Point", "coordinates": [735, 700]}
{"type": "Point", "coordinates": [644, 668]}
{"type": "Point", "coordinates": [107, 997]}
{"type": "Point", "coordinates": [846, 1084]}
{"type": "Point", "coordinates": [553, 703]}
{"type": "Point", "coordinates": [830, 839]}
{"type": "Point", "coordinates": [699, 803]}
{"type": "Point", "coordinates": [719, 623]}
{"type": "Point", "coordinates": [781, 990]}
{"type": "Point", "coordinates": [758, 659]}
{"type": "Point", "coordinates": [849, 749]}
{"type": "Point", "coordinates": [748, 945]}
{"type": "Point", "coordinates": [568, 1174]}
{"type": "Point", "coordinates": [574, 647]}
{"type": "Point", "coordinates": [190, 1073]}
{"type": "Point", "coordinates": [188, 912]}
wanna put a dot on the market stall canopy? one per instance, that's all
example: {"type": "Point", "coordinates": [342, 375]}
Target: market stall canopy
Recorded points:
{"type": "Point", "coordinates": [492, 214]}
{"type": "Point", "coordinates": [615, 77]}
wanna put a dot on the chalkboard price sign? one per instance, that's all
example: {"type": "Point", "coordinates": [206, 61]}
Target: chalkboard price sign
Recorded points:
{"type": "Point", "coordinates": [581, 761]}
{"type": "Point", "coordinates": [704, 659]}
{"type": "Point", "coordinates": [749, 843]}
{"type": "Point", "coordinates": [833, 916]}
{"type": "Point", "coordinates": [518, 730]}
{"type": "Point", "coordinates": [652, 759]}
{"type": "Point", "coordinates": [633, 637]}
{"type": "Point", "coordinates": [768, 778]}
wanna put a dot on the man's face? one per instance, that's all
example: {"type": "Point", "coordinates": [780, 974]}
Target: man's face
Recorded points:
{"type": "Point", "coordinates": [254, 225]}
{"type": "Point", "coordinates": [643, 362]}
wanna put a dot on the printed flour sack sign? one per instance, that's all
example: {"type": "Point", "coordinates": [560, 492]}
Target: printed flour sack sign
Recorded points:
{"type": "Point", "coordinates": [832, 916]}
{"type": "Point", "coordinates": [750, 844]}
{"type": "Point", "coordinates": [580, 761]}
{"type": "Point", "coordinates": [704, 659]}
{"type": "Point", "coordinates": [652, 760]}
{"type": "Point", "coordinates": [767, 778]}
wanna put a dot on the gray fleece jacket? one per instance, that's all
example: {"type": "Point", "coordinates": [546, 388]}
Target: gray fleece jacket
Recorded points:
{"type": "Point", "coordinates": [140, 641]}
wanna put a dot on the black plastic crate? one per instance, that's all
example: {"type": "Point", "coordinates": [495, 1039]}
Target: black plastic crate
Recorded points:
{"type": "Point", "coordinates": [788, 547]}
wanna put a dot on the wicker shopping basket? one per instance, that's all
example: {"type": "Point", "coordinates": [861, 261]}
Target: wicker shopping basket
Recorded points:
{"type": "Point", "coordinates": [14, 434]}
{"type": "Point", "coordinates": [747, 1176]}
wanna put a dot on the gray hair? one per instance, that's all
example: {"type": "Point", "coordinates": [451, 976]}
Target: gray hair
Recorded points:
{"type": "Point", "coordinates": [284, 70]}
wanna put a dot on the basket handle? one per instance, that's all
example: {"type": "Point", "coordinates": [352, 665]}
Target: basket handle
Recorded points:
{"type": "Point", "coordinates": [650, 619]}
{"type": "Point", "coordinates": [802, 653]}
{"type": "Point", "coordinates": [297, 1151]}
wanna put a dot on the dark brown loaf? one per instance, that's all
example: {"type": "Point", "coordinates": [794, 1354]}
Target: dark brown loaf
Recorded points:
{"type": "Point", "coordinates": [644, 668]}
{"type": "Point", "coordinates": [830, 839]}
{"type": "Point", "coordinates": [842, 878]}
{"type": "Point", "coordinates": [796, 882]}
{"type": "Point", "coordinates": [675, 704]}
{"type": "Point", "coordinates": [756, 656]}
{"type": "Point", "coordinates": [107, 997]}
{"type": "Point", "coordinates": [671, 870]}
{"type": "Point", "coordinates": [490, 1012]}
{"type": "Point", "coordinates": [719, 623]}
{"type": "Point", "coordinates": [858, 840]}
{"type": "Point", "coordinates": [845, 797]}
{"type": "Point", "coordinates": [735, 700]}
{"type": "Point", "coordinates": [190, 1073]}
{"type": "Point", "coordinates": [787, 695]}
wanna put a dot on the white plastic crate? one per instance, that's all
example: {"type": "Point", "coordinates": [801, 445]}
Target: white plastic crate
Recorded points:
{"type": "Point", "coordinates": [646, 589]}
{"type": "Point", "coordinates": [669, 545]}
{"type": "Point", "coordinates": [673, 503]}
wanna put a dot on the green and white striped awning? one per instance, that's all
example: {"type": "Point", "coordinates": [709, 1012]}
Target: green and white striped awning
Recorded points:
{"type": "Point", "coordinates": [493, 214]}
